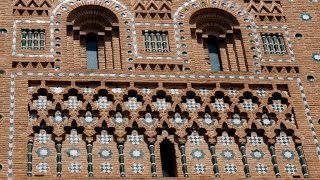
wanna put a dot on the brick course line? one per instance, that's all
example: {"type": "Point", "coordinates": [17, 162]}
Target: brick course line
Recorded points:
{"type": "Point", "coordinates": [309, 118]}
{"type": "Point", "coordinates": [11, 127]}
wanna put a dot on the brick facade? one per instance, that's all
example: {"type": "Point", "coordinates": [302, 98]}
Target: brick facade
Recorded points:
{"type": "Point", "coordinates": [256, 115]}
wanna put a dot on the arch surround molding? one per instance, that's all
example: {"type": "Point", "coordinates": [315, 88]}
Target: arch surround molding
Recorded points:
{"type": "Point", "coordinates": [183, 13]}
{"type": "Point", "coordinates": [121, 11]}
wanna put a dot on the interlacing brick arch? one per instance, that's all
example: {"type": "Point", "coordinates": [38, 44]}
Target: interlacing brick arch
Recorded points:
{"type": "Point", "coordinates": [181, 18]}
{"type": "Point", "coordinates": [121, 109]}
{"type": "Point", "coordinates": [60, 13]}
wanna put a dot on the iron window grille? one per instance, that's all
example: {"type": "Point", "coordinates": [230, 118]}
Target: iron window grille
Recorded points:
{"type": "Point", "coordinates": [33, 39]}
{"type": "Point", "coordinates": [156, 41]}
{"type": "Point", "coordinates": [273, 44]}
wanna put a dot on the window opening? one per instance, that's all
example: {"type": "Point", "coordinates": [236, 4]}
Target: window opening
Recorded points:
{"type": "Point", "coordinates": [213, 49]}
{"type": "Point", "coordinates": [92, 52]}
{"type": "Point", "coordinates": [168, 159]}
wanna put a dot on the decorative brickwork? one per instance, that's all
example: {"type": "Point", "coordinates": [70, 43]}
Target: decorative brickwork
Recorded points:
{"type": "Point", "coordinates": [160, 88]}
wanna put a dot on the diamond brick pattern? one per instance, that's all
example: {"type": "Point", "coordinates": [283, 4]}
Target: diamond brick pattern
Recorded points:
{"type": "Point", "coordinates": [230, 168]}
{"type": "Point", "coordinates": [103, 102]}
{"type": "Point", "coordinates": [74, 138]}
{"type": "Point", "coordinates": [194, 138]}
{"type": "Point", "coordinates": [203, 91]}
{"type": "Point", "coordinates": [137, 168]}
{"type": "Point", "coordinates": [117, 90]}
{"type": "Point", "coordinates": [283, 139]}
{"type": "Point", "coordinates": [261, 169]}
{"type": "Point", "coordinates": [248, 105]}
{"type": "Point", "coordinates": [175, 91]}
{"type": "Point", "coordinates": [106, 168]}
{"type": "Point", "coordinates": [200, 168]}
{"type": "Point", "coordinates": [42, 138]}
{"type": "Point", "coordinates": [192, 105]}
{"type": "Point", "coordinates": [42, 102]}
{"type": "Point", "coordinates": [225, 139]}
{"type": "Point", "coordinates": [135, 139]}
{"type": "Point", "coordinates": [105, 138]}
{"type": "Point", "coordinates": [254, 139]}
{"type": "Point", "coordinates": [290, 169]}
{"type": "Point", "coordinates": [261, 92]}
{"type": "Point", "coordinates": [232, 92]}
{"type": "Point", "coordinates": [74, 167]}
{"type": "Point", "coordinates": [132, 103]}
{"type": "Point", "coordinates": [87, 90]}
{"type": "Point", "coordinates": [42, 167]}
{"type": "Point", "coordinates": [146, 90]}
{"type": "Point", "coordinates": [220, 105]}
{"type": "Point", "coordinates": [161, 104]}
{"type": "Point", "coordinates": [73, 102]}
{"type": "Point", "coordinates": [277, 106]}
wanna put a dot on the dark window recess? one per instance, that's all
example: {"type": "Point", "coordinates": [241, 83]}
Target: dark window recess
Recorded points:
{"type": "Point", "coordinates": [213, 49]}
{"type": "Point", "coordinates": [92, 52]}
{"type": "Point", "coordinates": [168, 159]}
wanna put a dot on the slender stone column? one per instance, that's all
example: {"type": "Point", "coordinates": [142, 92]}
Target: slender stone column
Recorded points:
{"type": "Point", "coordinates": [59, 165]}
{"type": "Point", "coordinates": [214, 160]}
{"type": "Point", "coordinates": [183, 158]}
{"type": "Point", "coordinates": [303, 163]}
{"type": "Point", "coordinates": [274, 159]}
{"type": "Point", "coordinates": [30, 147]}
{"type": "Point", "coordinates": [244, 157]}
{"type": "Point", "coordinates": [89, 157]}
{"type": "Point", "coordinates": [121, 156]}
{"type": "Point", "coordinates": [152, 157]}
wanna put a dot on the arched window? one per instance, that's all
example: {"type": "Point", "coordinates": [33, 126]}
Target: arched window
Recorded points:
{"type": "Point", "coordinates": [93, 38]}
{"type": "Point", "coordinates": [92, 51]}
{"type": "Point", "coordinates": [217, 41]}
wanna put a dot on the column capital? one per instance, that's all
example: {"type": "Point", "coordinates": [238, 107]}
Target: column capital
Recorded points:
{"type": "Point", "coordinates": [151, 140]}
{"type": "Point", "coordinates": [212, 141]}
{"type": "Point", "coordinates": [182, 140]}
{"type": "Point", "coordinates": [242, 141]}
{"type": "Point", "coordinates": [58, 139]}
{"type": "Point", "coordinates": [271, 141]}
{"type": "Point", "coordinates": [120, 139]}
{"type": "Point", "coordinates": [89, 139]}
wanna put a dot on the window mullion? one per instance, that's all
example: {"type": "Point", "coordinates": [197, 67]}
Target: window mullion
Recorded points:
{"type": "Point", "coordinates": [276, 44]}
{"type": "Point", "coordinates": [42, 39]}
{"type": "Point", "coordinates": [24, 39]}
